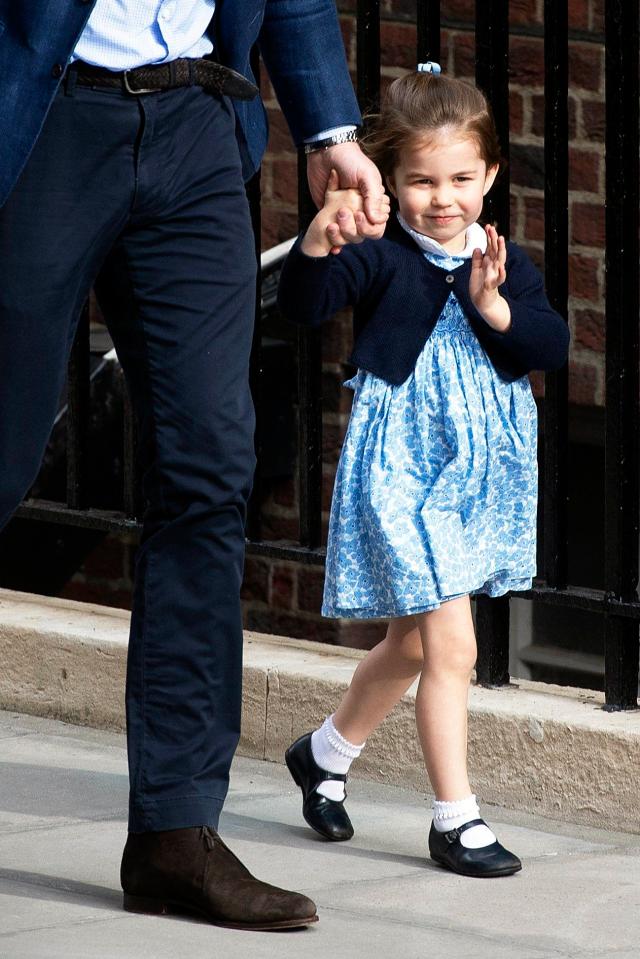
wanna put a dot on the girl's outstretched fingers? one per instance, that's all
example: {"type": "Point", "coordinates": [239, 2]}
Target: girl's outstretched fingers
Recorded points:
{"type": "Point", "coordinates": [494, 259]}
{"type": "Point", "coordinates": [499, 251]}
{"type": "Point", "coordinates": [502, 259]}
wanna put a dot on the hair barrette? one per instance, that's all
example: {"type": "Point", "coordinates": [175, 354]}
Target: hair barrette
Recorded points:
{"type": "Point", "coordinates": [430, 67]}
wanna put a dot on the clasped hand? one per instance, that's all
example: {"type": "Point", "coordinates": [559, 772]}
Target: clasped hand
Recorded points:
{"type": "Point", "coordinates": [346, 217]}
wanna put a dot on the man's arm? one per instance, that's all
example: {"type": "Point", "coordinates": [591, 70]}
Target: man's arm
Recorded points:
{"type": "Point", "coordinates": [302, 48]}
{"type": "Point", "coordinates": [303, 51]}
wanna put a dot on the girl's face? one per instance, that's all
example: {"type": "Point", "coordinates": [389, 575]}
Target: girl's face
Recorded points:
{"type": "Point", "coordinates": [439, 185]}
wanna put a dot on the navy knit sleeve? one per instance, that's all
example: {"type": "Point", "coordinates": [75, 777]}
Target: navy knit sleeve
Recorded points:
{"type": "Point", "coordinates": [312, 288]}
{"type": "Point", "coordinates": [538, 338]}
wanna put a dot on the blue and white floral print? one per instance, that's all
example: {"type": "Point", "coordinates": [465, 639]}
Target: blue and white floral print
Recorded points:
{"type": "Point", "coordinates": [436, 489]}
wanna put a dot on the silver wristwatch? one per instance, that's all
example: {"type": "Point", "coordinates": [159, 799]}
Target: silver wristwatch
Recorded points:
{"type": "Point", "coordinates": [347, 136]}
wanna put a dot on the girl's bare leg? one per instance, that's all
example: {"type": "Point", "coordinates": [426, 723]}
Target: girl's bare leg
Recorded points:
{"type": "Point", "coordinates": [381, 679]}
{"type": "Point", "coordinates": [442, 645]}
{"type": "Point", "coordinates": [449, 649]}
{"type": "Point", "coordinates": [449, 645]}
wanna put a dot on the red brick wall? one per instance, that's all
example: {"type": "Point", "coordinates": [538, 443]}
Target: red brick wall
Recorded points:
{"type": "Point", "coordinates": [285, 597]}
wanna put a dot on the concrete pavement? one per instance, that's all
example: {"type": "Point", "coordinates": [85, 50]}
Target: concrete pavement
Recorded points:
{"type": "Point", "coordinates": [63, 793]}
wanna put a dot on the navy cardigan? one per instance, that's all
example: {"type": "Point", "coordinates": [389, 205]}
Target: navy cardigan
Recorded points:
{"type": "Point", "coordinates": [401, 294]}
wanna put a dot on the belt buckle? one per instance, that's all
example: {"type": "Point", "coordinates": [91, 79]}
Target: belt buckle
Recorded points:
{"type": "Point", "coordinates": [129, 89]}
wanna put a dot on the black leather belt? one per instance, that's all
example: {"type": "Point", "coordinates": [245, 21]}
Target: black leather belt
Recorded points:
{"type": "Point", "coordinates": [186, 72]}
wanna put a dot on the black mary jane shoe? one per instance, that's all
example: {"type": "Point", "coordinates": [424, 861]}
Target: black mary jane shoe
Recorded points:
{"type": "Point", "coordinates": [327, 816]}
{"type": "Point", "coordinates": [486, 862]}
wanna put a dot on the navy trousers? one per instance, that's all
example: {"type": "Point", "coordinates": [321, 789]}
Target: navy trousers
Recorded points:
{"type": "Point", "coordinates": [143, 197]}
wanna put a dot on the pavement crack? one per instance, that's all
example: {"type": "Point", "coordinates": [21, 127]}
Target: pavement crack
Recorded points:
{"type": "Point", "coordinates": [500, 938]}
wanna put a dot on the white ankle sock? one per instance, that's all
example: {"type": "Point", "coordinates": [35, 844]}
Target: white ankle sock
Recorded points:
{"type": "Point", "coordinates": [334, 753]}
{"type": "Point", "coordinates": [451, 815]}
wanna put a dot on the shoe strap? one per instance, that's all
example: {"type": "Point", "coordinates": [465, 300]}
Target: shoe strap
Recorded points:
{"type": "Point", "coordinates": [340, 777]}
{"type": "Point", "coordinates": [323, 775]}
{"type": "Point", "coordinates": [454, 834]}
{"type": "Point", "coordinates": [471, 824]}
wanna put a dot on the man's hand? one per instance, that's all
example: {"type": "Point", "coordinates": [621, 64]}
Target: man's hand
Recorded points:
{"type": "Point", "coordinates": [355, 171]}
{"type": "Point", "coordinates": [334, 225]}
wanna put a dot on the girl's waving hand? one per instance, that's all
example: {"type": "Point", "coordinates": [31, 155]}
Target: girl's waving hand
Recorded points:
{"type": "Point", "coordinates": [488, 272]}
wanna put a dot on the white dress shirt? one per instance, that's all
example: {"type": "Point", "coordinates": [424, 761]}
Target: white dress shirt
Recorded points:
{"type": "Point", "coordinates": [123, 34]}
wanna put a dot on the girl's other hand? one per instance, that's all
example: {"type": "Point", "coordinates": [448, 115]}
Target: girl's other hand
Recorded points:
{"type": "Point", "coordinates": [488, 272]}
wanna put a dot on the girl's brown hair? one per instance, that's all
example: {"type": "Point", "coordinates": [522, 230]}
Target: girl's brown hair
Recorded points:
{"type": "Point", "coordinates": [420, 104]}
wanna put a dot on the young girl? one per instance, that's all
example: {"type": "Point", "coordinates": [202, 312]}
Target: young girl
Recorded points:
{"type": "Point", "coordinates": [435, 494]}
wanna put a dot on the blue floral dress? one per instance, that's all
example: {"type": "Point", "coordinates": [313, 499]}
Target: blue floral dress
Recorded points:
{"type": "Point", "coordinates": [436, 489]}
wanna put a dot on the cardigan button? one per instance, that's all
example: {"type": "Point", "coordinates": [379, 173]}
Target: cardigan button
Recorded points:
{"type": "Point", "coordinates": [450, 278]}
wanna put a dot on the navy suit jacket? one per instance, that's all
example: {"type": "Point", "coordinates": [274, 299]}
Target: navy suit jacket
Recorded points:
{"type": "Point", "coordinates": [300, 42]}
{"type": "Point", "coordinates": [400, 296]}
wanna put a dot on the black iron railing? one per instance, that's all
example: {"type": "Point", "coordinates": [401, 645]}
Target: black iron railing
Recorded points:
{"type": "Point", "coordinates": [618, 602]}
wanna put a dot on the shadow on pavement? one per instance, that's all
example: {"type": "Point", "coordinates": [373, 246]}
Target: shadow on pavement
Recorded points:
{"type": "Point", "coordinates": [36, 885]}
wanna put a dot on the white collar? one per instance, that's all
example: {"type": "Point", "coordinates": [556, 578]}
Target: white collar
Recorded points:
{"type": "Point", "coordinates": [476, 238]}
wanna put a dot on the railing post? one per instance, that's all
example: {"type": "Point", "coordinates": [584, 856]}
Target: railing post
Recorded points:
{"type": "Point", "coordinates": [556, 245]}
{"type": "Point", "coordinates": [622, 464]}
{"type": "Point", "coordinates": [309, 401]}
{"type": "Point", "coordinates": [492, 76]}
{"type": "Point", "coordinates": [428, 30]}
{"type": "Point", "coordinates": [368, 55]}
{"type": "Point", "coordinates": [492, 629]}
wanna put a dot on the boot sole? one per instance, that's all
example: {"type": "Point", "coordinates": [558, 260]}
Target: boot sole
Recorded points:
{"type": "Point", "coordinates": [476, 875]}
{"type": "Point", "coordinates": [162, 907]}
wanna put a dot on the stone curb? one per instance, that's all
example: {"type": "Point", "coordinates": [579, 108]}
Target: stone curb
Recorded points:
{"type": "Point", "coordinates": [543, 749]}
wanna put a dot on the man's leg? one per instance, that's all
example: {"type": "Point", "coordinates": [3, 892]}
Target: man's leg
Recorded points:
{"type": "Point", "coordinates": [178, 291]}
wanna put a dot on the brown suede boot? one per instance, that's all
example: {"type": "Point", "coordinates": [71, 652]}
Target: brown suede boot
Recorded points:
{"type": "Point", "coordinates": [191, 870]}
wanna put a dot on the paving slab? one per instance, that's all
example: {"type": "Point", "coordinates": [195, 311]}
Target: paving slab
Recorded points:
{"type": "Point", "coordinates": [63, 792]}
